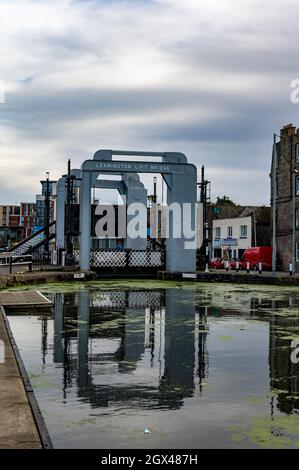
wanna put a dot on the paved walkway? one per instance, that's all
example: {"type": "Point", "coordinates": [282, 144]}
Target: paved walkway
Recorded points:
{"type": "Point", "coordinates": [17, 425]}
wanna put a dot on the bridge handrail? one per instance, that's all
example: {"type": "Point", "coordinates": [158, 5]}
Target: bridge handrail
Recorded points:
{"type": "Point", "coordinates": [33, 235]}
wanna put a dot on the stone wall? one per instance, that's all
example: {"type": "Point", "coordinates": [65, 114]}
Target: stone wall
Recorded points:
{"type": "Point", "coordinates": [12, 280]}
{"type": "Point", "coordinates": [286, 163]}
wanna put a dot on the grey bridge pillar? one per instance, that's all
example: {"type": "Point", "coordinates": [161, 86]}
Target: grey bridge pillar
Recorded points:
{"type": "Point", "coordinates": [135, 192]}
{"type": "Point", "coordinates": [178, 256]}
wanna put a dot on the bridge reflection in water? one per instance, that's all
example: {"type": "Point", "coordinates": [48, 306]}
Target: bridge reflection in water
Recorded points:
{"type": "Point", "coordinates": [114, 359]}
{"type": "Point", "coordinates": [149, 347]}
{"type": "Point", "coordinates": [144, 348]}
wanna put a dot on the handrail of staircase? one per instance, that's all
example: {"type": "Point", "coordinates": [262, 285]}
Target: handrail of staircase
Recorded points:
{"type": "Point", "coordinates": [33, 235]}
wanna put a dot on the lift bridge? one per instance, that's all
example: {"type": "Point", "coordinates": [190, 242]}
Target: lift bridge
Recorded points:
{"type": "Point", "coordinates": [73, 230]}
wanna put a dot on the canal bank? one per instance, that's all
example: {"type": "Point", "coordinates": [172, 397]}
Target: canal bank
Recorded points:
{"type": "Point", "coordinates": [232, 277]}
{"type": "Point", "coordinates": [220, 276]}
{"type": "Point", "coordinates": [21, 422]}
{"type": "Point", "coordinates": [42, 277]}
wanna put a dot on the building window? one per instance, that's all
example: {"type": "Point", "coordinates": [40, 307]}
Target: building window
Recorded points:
{"type": "Point", "coordinates": [218, 232]}
{"type": "Point", "coordinates": [230, 231]}
{"type": "Point", "coordinates": [297, 153]}
{"type": "Point", "coordinates": [297, 185]}
{"type": "Point", "coordinates": [297, 218]}
{"type": "Point", "coordinates": [297, 251]}
{"type": "Point", "coordinates": [243, 230]}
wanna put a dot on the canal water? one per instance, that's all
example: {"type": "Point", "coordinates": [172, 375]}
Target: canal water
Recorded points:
{"type": "Point", "coordinates": [129, 364]}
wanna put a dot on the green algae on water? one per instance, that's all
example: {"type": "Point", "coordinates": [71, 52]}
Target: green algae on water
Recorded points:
{"type": "Point", "coordinates": [226, 338]}
{"type": "Point", "coordinates": [270, 433]}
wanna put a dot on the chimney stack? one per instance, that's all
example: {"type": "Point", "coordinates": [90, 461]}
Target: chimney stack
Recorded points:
{"type": "Point", "coordinates": [288, 130]}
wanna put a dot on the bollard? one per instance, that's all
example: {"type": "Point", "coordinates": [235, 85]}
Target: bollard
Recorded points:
{"type": "Point", "coordinates": [248, 267]}
{"type": "Point", "coordinates": [226, 265]}
{"type": "Point", "coordinates": [260, 268]}
{"type": "Point", "coordinates": [291, 268]}
{"type": "Point", "coordinates": [237, 266]}
{"type": "Point", "coordinates": [63, 258]}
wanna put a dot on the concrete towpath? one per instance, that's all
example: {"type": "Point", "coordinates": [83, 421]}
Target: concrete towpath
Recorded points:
{"type": "Point", "coordinates": [18, 429]}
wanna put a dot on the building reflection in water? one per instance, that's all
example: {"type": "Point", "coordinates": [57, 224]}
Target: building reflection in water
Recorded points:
{"type": "Point", "coordinates": [284, 373]}
{"type": "Point", "coordinates": [140, 348]}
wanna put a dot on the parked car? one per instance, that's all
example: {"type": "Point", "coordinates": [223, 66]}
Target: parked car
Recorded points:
{"type": "Point", "coordinates": [255, 255]}
{"type": "Point", "coordinates": [217, 263]}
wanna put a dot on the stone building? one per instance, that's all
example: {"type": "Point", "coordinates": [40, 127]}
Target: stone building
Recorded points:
{"type": "Point", "coordinates": [287, 200]}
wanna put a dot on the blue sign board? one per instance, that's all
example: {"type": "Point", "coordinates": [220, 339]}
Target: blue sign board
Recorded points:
{"type": "Point", "coordinates": [230, 241]}
{"type": "Point", "coordinates": [225, 242]}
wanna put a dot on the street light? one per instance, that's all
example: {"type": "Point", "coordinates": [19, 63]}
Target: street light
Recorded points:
{"type": "Point", "coordinates": [47, 216]}
{"type": "Point", "coordinates": [155, 190]}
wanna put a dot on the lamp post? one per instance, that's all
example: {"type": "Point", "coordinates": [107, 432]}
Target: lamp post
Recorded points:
{"type": "Point", "coordinates": [295, 174]}
{"type": "Point", "coordinates": [47, 216]}
{"type": "Point", "coordinates": [155, 190]}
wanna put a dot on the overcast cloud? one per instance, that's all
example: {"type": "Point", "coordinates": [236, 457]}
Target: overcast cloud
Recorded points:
{"type": "Point", "coordinates": [209, 78]}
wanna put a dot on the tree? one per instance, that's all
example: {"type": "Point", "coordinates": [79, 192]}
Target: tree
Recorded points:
{"type": "Point", "coordinates": [225, 201]}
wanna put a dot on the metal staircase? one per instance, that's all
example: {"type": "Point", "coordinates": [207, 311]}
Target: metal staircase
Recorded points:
{"type": "Point", "coordinates": [34, 241]}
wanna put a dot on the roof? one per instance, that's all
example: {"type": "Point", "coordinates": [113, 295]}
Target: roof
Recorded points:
{"type": "Point", "coordinates": [262, 213]}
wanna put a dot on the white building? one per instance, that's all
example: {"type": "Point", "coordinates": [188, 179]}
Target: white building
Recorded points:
{"type": "Point", "coordinates": [231, 237]}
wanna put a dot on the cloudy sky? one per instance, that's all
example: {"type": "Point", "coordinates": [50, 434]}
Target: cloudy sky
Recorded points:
{"type": "Point", "coordinates": [209, 78]}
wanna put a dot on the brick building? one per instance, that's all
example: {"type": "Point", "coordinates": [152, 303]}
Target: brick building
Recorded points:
{"type": "Point", "coordinates": [10, 229]}
{"type": "Point", "coordinates": [9, 215]}
{"type": "Point", "coordinates": [287, 200]}
{"type": "Point", "coordinates": [28, 217]}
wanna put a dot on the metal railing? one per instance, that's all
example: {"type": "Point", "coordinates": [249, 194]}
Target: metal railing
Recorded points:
{"type": "Point", "coordinates": [10, 264]}
{"type": "Point", "coordinates": [42, 261]}
{"type": "Point", "coordinates": [124, 260]}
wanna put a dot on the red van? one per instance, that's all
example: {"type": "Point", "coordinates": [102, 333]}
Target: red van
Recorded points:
{"type": "Point", "coordinates": [256, 255]}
